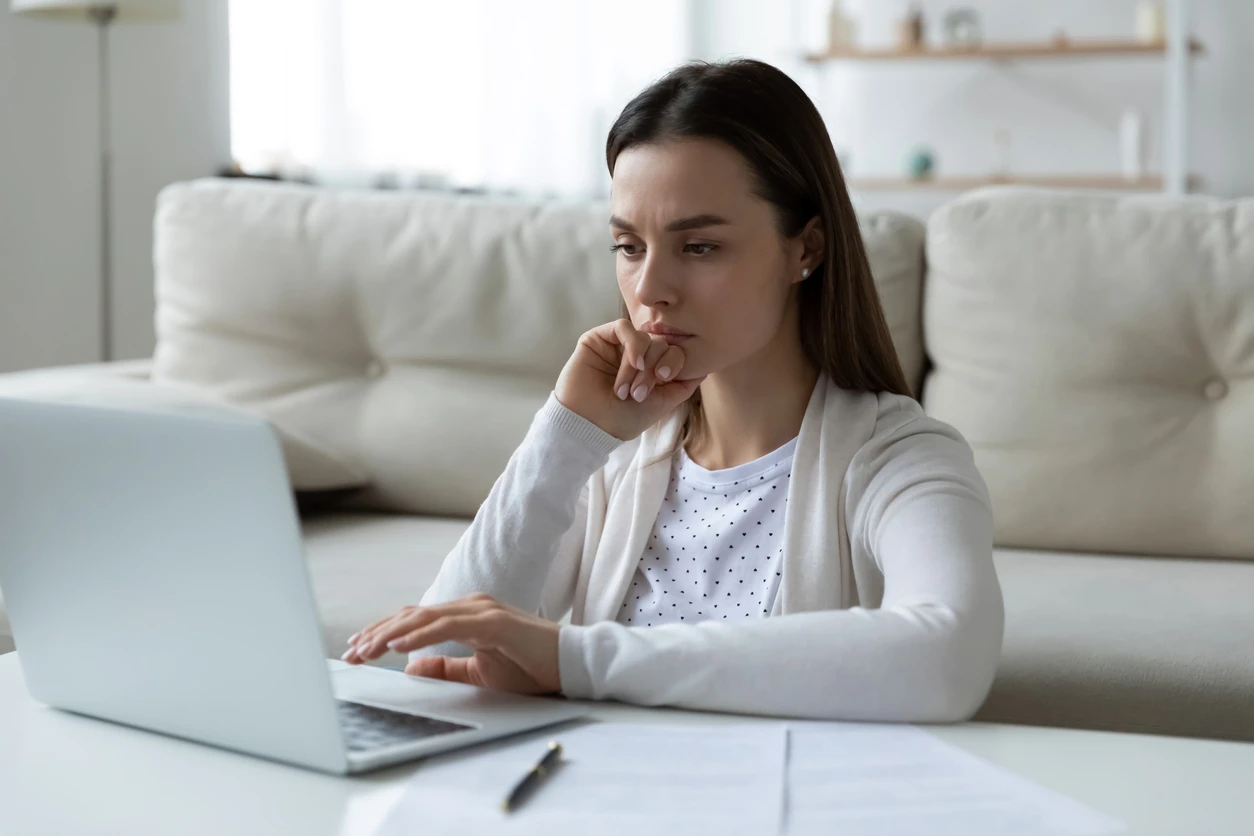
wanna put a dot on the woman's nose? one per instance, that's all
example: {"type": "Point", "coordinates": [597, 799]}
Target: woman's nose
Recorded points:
{"type": "Point", "coordinates": [653, 290]}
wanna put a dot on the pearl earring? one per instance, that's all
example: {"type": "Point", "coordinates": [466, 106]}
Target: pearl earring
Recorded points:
{"type": "Point", "coordinates": [805, 272]}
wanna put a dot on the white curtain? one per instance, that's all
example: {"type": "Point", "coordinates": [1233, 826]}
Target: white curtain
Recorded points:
{"type": "Point", "coordinates": [507, 96]}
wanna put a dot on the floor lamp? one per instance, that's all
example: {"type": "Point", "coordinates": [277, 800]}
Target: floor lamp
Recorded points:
{"type": "Point", "coordinates": [102, 14]}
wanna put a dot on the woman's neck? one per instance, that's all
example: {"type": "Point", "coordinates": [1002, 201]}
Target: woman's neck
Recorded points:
{"type": "Point", "coordinates": [754, 407]}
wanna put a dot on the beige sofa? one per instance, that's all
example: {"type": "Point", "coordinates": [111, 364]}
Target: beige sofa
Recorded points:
{"type": "Point", "coordinates": [1097, 352]}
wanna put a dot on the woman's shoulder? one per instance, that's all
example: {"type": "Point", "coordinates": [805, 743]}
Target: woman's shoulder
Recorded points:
{"type": "Point", "coordinates": [906, 440]}
{"type": "Point", "coordinates": [899, 416]}
{"type": "Point", "coordinates": [909, 455]}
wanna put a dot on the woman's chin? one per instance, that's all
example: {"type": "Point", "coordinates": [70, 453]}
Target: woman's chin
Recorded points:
{"type": "Point", "coordinates": [694, 372]}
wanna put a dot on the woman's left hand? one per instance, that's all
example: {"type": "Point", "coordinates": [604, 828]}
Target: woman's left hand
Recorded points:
{"type": "Point", "coordinates": [514, 650]}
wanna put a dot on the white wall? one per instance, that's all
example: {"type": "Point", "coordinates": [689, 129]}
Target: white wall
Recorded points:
{"type": "Point", "coordinates": [49, 196]}
{"type": "Point", "coordinates": [1062, 114]}
{"type": "Point", "coordinates": [170, 122]}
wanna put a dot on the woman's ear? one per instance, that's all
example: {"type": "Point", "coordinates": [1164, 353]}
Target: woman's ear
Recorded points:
{"type": "Point", "coordinates": [813, 248]}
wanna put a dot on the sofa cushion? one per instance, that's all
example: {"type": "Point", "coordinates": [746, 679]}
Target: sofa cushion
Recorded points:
{"type": "Point", "coordinates": [310, 465]}
{"type": "Point", "coordinates": [1152, 645]}
{"type": "Point", "coordinates": [416, 333]}
{"type": "Point", "coordinates": [894, 245]}
{"type": "Point", "coordinates": [367, 566]}
{"type": "Point", "coordinates": [1098, 354]}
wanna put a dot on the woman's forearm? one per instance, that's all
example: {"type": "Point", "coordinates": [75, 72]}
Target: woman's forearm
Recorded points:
{"type": "Point", "coordinates": [922, 663]}
{"type": "Point", "coordinates": [509, 548]}
{"type": "Point", "coordinates": [927, 655]}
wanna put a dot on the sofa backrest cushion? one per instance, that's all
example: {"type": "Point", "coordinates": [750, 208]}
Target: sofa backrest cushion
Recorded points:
{"type": "Point", "coordinates": [1097, 352]}
{"type": "Point", "coordinates": [310, 467]}
{"type": "Point", "coordinates": [413, 334]}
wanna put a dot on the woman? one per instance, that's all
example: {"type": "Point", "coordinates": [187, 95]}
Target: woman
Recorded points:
{"type": "Point", "coordinates": [730, 490]}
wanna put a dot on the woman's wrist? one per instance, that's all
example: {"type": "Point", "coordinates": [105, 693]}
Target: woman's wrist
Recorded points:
{"type": "Point", "coordinates": [578, 428]}
{"type": "Point", "coordinates": [576, 682]}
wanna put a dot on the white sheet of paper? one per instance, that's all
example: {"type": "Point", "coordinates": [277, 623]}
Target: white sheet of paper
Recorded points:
{"type": "Point", "coordinates": [802, 779]}
{"type": "Point", "coordinates": [616, 778]}
{"type": "Point", "coordinates": [888, 780]}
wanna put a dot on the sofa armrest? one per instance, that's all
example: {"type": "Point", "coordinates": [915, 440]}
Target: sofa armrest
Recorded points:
{"type": "Point", "coordinates": [127, 384]}
{"type": "Point", "coordinates": [18, 384]}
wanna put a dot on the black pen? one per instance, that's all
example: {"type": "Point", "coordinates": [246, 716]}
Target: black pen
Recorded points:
{"type": "Point", "coordinates": [533, 778]}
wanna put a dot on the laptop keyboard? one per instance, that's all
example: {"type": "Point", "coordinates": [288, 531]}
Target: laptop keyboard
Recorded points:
{"type": "Point", "coordinates": [366, 727]}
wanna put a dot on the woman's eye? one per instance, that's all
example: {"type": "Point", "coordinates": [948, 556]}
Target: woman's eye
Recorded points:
{"type": "Point", "coordinates": [625, 249]}
{"type": "Point", "coordinates": [702, 248]}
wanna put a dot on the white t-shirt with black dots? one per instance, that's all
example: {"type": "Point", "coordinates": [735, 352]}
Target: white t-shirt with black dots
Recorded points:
{"type": "Point", "coordinates": [715, 550]}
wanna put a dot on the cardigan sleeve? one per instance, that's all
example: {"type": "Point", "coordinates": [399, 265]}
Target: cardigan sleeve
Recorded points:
{"type": "Point", "coordinates": [524, 543]}
{"type": "Point", "coordinates": [927, 653]}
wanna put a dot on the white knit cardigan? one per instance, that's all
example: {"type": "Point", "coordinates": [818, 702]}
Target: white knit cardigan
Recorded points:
{"type": "Point", "coordinates": [888, 608]}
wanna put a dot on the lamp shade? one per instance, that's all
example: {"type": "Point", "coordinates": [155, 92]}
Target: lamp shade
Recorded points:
{"type": "Point", "coordinates": [136, 11]}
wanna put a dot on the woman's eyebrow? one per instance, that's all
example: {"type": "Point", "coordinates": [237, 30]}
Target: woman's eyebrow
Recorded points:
{"type": "Point", "coordinates": [695, 222]}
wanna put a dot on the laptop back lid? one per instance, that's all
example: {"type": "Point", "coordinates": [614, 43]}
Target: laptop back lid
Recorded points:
{"type": "Point", "coordinates": [152, 564]}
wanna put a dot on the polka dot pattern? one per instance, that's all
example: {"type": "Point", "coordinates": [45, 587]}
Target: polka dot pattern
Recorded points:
{"type": "Point", "coordinates": [715, 549]}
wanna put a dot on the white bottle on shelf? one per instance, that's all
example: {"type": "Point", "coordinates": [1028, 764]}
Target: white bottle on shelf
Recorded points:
{"type": "Point", "coordinates": [842, 30]}
{"type": "Point", "coordinates": [1151, 22]}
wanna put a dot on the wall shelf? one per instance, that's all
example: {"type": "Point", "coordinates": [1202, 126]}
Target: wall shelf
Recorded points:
{"type": "Point", "coordinates": [1176, 50]}
{"type": "Point", "coordinates": [1005, 51]}
{"type": "Point", "coordinates": [1112, 182]}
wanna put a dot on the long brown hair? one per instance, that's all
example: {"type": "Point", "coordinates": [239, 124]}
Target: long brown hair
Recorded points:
{"type": "Point", "coordinates": [765, 116]}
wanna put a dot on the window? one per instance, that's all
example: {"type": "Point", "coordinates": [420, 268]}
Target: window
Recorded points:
{"type": "Point", "coordinates": [505, 96]}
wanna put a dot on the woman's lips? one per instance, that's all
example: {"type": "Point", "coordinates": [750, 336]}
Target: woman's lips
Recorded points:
{"type": "Point", "coordinates": [669, 333]}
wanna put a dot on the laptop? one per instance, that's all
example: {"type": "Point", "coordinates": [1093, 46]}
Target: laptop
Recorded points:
{"type": "Point", "coordinates": [154, 571]}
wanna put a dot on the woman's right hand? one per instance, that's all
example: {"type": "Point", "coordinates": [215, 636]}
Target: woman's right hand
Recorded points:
{"type": "Point", "coordinates": [624, 380]}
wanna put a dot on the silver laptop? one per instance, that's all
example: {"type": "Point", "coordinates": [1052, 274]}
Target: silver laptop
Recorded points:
{"type": "Point", "coordinates": [154, 572]}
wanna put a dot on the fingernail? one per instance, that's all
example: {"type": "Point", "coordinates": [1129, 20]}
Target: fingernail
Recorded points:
{"type": "Point", "coordinates": [347, 653]}
{"type": "Point", "coordinates": [622, 392]}
{"type": "Point", "coordinates": [640, 363]}
{"type": "Point", "coordinates": [353, 638]}
{"type": "Point", "coordinates": [363, 651]}
{"type": "Point", "coordinates": [640, 393]}
{"type": "Point", "coordinates": [394, 644]}
{"type": "Point", "coordinates": [664, 372]}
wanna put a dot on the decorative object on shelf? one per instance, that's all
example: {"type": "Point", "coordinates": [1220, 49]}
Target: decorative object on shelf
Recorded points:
{"type": "Point", "coordinates": [910, 29]}
{"type": "Point", "coordinates": [1002, 140]}
{"type": "Point", "coordinates": [962, 28]}
{"type": "Point", "coordinates": [103, 14]}
{"type": "Point", "coordinates": [1151, 22]}
{"type": "Point", "coordinates": [922, 164]}
{"type": "Point", "coordinates": [1132, 145]}
{"type": "Point", "coordinates": [1060, 39]}
{"type": "Point", "coordinates": [842, 30]}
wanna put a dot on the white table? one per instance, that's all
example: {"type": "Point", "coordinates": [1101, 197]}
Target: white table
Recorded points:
{"type": "Point", "coordinates": [64, 774]}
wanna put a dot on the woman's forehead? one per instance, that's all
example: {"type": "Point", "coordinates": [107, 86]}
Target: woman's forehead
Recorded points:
{"type": "Point", "coordinates": [664, 183]}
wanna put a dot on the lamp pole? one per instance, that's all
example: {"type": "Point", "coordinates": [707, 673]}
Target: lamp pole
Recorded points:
{"type": "Point", "coordinates": [102, 15]}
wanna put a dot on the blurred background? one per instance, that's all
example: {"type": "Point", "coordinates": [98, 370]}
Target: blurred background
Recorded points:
{"type": "Point", "coordinates": [923, 100]}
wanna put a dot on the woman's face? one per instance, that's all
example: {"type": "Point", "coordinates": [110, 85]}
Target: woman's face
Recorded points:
{"type": "Point", "coordinates": [699, 253]}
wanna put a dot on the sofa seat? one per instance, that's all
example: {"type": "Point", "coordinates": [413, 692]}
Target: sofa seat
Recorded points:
{"type": "Point", "coordinates": [1155, 646]}
{"type": "Point", "coordinates": [1120, 643]}
{"type": "Point", "coordinates": [1135, 644]}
